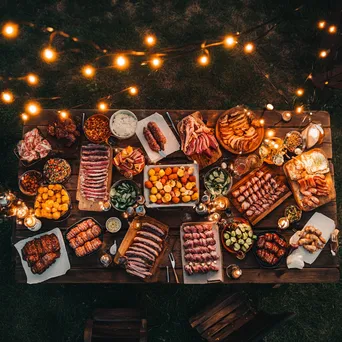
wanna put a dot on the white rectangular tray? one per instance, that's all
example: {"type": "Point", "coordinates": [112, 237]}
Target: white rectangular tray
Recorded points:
{"type": "Point", "coordinates": [206, 278]}
{"type": "Point", "coordinates": [147, 191]}
{"type": "Point", "coordinates": [172, 144]}
{"type": "Point", "coordinates": [58, 268]}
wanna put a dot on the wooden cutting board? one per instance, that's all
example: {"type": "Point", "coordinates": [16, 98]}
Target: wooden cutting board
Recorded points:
{"type": "Point", "coordinates": [255, 219]}
{"type": "Point", "coordinates": [128, 240]}
{"type": "Point", "coordinates": [202, 160]}
{"type": "Point", "coordinates": [83, 203]}
{"type": "Point", "coordinates": [296, 189]}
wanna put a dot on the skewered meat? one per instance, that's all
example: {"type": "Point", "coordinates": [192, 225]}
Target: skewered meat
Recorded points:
{"type": "Point", "coordinates": [157, 134]}
{"type": "Point", "coordinates": [270, 248]}
{"type": "Point", "coordinates": [199, 249]}
{"type": "Point", "coordinates": [86, 231]}
{"type": "Point", "coordinates": [88, 247]}
{"type": "Point", "coordinates": [152, 142]}
{"type": "Point", "coordinates": [64, 129]}
{"type": "Point", "coordinates": [41, 253]}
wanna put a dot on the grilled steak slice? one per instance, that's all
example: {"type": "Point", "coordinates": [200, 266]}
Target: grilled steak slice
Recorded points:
{"type": "Point", "coordinates": [152, 229]}
{"type": "Point", "coordinates": [141, 255]}
{"type": "Point", "coordinates": [140, 263]}
{"type": "Point", "coordinates": [147, 248]}
{"type": "Point", "coordinates": [150, 236]}
{"type": "Point", "coordinates": [138, 274]}
{"type": "Point", "coordinates": [148, 242]}
{"type": "Point", "coordinates": [142, 250]}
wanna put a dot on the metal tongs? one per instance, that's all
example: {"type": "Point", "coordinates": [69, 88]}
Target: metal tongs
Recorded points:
{"type": "Point", "coordinates": [173, 264]}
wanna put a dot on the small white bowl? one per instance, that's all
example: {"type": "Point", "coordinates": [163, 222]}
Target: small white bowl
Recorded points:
{"type": "Point", "coordinates": [111, 219]}
{"type": "Point", "coordinates": [116, 133]}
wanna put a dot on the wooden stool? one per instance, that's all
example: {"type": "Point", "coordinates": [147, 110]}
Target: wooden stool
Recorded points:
{"type": "Point", "coordinates": [233, 319]}
{"type": "Point", "coordinates": [114, 325]}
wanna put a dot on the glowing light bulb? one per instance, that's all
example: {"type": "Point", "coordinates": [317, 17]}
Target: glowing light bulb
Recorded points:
{"type": "Point", "coordinates": [133, 90]}
{"type": "Point", "coordinates": [156, 62]}
{"type": "Point", "coordinates": [33, 108]}
{"type": "Point", "coordinates": [299, 109]}
{"type": "Point", "coordinates": [310, 76]}
{"type": "Point", "coordinates": [32, 79]}
{"type": "Point", "coordinates": [10, 30]}
{"type": "Point", "coordinates": [24, 117]}
{"type": "Point", "coordinates": [270, 133]}
{"type": "Point", "coordinates": [332, 29]}
{"type": "Point", "coordinates": [300, 92]}
{"type": "Point", "coordinates": [7, 97]}
{"type": "Point", "coordinates": [323, 54]}
{"type": "Point", "coordinates": [121, 62]}
{"type": "Point", "coordinates": [49, 55]}
{"type": "Point", "coordinates": [150, 40]}
{"type": "Point", "coordinates": [249, 47]}
{"type": "Point", "coordinates": [88, 71]}
{"type": "Point", "coordinates": [63, 114]}
{"type": "Point", "coordinates": [269, 106]}
{"type": "Point", "coordinates": [203, 60]}
{"type": "Point", "coordinates": [230, 41]}
{"type": "Point", "coordinates": [326, 82]}
{"type": "Point", "coordinates": [102, 106]}
{"type": "Point", "coordinates": [321, 24]}
{"type": "Point", "coordinates": [262, 122]}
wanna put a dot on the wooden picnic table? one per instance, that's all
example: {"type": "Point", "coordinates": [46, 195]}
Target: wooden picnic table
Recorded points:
{"type": "Point", "coordinates": [89, 269]}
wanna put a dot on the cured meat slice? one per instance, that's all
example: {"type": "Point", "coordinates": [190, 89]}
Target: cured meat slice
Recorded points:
{"type": "Point", "coordinates": [149, 236]}
{"type": "Point", "coordinates": [148, 242]}
{"type": "Point", "coordinates": [147, 248]}
{"type": "Point", "coordinates": [152, 229]}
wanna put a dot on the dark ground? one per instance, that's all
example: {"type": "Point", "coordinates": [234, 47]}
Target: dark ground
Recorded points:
{"type": "Point", "coordinates": [58, 313]}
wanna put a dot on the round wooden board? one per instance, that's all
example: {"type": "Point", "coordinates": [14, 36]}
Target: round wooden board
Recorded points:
{"type": "Point", "coordinates": [260, 130]}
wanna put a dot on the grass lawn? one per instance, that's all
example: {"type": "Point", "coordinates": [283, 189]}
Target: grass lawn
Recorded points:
{"type": "Point", "coordinates": [58, 312]}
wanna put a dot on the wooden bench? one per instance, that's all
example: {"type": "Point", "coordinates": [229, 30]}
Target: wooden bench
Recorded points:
{"type": "Point", "coordinates": [233, 319]}
{"type": "Point", "coordinates": [114, 325]}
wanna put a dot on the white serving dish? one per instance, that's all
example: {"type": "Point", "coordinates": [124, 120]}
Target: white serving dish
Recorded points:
{"type": "Point", "coordinates": [326, 225]}
{"type": "Point", "coordinates": [126, 112]}
{"type": "Point", "coordinates": [147, 191]}
{"type": "Point", "coordinates": [58, 268]}
{"type": "Point", "coordinates": [172, 144]}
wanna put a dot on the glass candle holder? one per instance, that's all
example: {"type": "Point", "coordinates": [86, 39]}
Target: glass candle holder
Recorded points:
{"type": "Point", "coordinates": [233, 271]}
{"type": "Point", "coordinates": [201, 209]}
{"type": "Point", "coordinates": [105, 206]}
{"type": "Point", "coordinates": [32, 223]}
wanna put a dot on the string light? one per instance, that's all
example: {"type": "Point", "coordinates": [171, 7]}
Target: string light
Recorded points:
{"type": "Point", "coordinates": [10, 30]}
{"type": "Point", "coordinates": [249, 47]}
{"type": "Point", "coordinates": [321, 24]}
{"type": "Point", "coordinates": [203, 60]}
{"type": "Point", "coordinates": [326, 82]}
{"type": "Point", "coordinates": [121, 62]}
{"type": "Point", "coordinates": [270, 133]}
{"type": "Point", "coordinates": [332, 29]}
{"type": "Point", "coordinates": [300, 92]}
{"type": "Point", "coordinates": [299, 109]}
{"type": "Point", "coordinates": [323, 54]}
{"type": "Point", "coordinates": [262, 122]}
{"type": "Point", "coordinates": [32, 79]}
{"type": "Point", "coordinates": [102, 106]}
{"type": "Point", "coordinates": [33, 108]}
{"type": "Point", "coordinates": [310, 76]}
{"type": "Point", "coordinates": [156, 62]}
{"type": "Point", "coordinates": [49, 55]}
{"type": "Point", "coordinates": [7, 96]}
{"type": "Point", "coordinates": [63, 114]}
{"type": "Point", "coordinates": [230, 41]}
{"type": "Point", "coordinates": [88, 71]}
{"type": "Point", "coordinates": [269, 106]}
{"type": "Point", "coordinates": [150, 40]}
{"type": "Point", "coordinates": [24, 117]}
{"type": "Point", "coordinates": [133, 90]}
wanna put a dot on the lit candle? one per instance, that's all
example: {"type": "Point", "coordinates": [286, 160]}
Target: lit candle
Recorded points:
{"type": "Point", "coordinates": [214, 217]}
{"type": "Point", "coordinates": [286, 116]}
{"type": "Point", "coordinates": [221, 203]}
{"type": "Point", "coordinates": [233, 271]}
{"type": "Point", "coordinates": [32, 223]}
{"type": "Point", "coordinates": [201, 209]}
{"type": "Point", "coordinates": [105, 206]}
{"type": "Point", "coordinates": [283, 223]}
{"type": "Point", "coordinates": [125, 215]}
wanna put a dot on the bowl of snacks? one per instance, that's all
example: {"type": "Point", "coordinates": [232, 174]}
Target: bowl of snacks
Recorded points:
{"type": "Point", "coordinates": [113, 224]}
{"type": "Point", "coordinates": [29, 182]}
{"type": "Point", "coordinates": [171, 185]}
{"type": "Point", "coordinates": [129, 161]}
{"type": "Point", "coordinates": [237, 237]}
{"type": "Point", "coordinates": [123, 194]}
{"type": "Point", "coordinates": [293, 213]}
{"type": "Point", "coordinates": [96, 128]}
{"type": "Point", "coordinates": [123, 124]}
{"type": "Point", "coordinates": [56, 170]}
{"type": "Point", "coordinates": [218, 181]}
{"type": "Point", "coordinates": [53, 202]}
{"type": "Point", "coordinates": [294, 142]}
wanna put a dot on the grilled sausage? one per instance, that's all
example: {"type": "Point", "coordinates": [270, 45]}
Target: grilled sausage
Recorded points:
{"type": "Point", "coordinates": [157, 134]}
{"type": "Point", "coordinates": [152, 142]}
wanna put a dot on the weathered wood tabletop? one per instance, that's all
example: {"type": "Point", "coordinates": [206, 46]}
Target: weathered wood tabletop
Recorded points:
{"type": "Point", "coordinates": [90, 270]}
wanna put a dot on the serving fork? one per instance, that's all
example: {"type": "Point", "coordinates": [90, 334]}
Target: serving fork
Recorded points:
{"type": "Point", "coordinates": [173, 264]}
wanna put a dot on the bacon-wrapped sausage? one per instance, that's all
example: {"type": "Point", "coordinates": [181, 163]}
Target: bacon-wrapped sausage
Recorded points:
{"type": "Point", "coordinates": [157, 134]}
{"type": "Point", "coordinates": [152, 142]}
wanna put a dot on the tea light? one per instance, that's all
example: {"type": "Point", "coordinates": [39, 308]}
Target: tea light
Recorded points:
{"type": "Point", "coordinates": [105, 206]}
{"type": "Point", "coordinates": [214, 217]}
{"type": "Point", "coordinates": [22, 211]}
{"type": "Point", "coordinates": [125, 215]}
{"type": "Point", "coordinates": [286, 116]}
{"type": "Point", "coordinates": [32, 223]}
{"type": "Point", "coordinates": [106, 259]}
{"type": "Point", "coordinates": [201, 209]}
{"type": "Point", "coordinates": [140, 210]}
{"type": "Point", "coordinates": [221, 203]}
{"type": "Point", "coordinates": [283, 223]}
{"type": "Point", "coordinates": [233, 271]}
